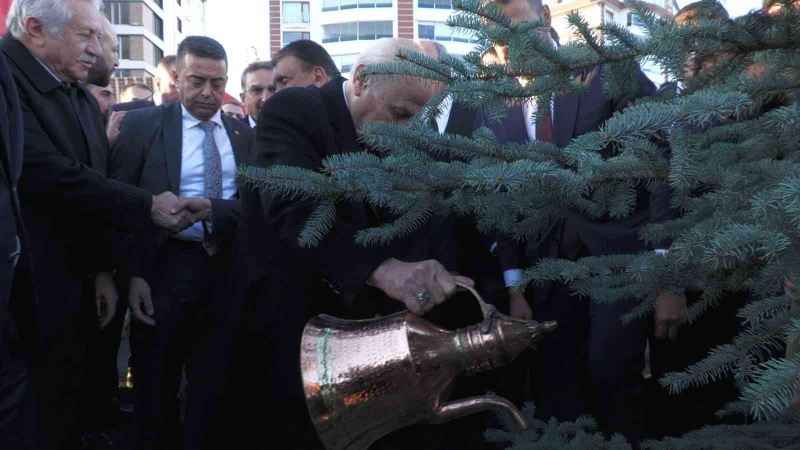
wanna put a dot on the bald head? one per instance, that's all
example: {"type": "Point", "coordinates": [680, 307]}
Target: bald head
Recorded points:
{"type": "Point", "coordinates": [384, 99]}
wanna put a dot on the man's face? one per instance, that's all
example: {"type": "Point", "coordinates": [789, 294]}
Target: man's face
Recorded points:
{"type": "Point", "coordinates": [105, 65]}
{"type": "Point", "coordinates": [233, 111]}
{"type": "Point", "coordinates": [385, 100]}
{"type": "Point", "coordinates": [164, 83]}
{"type": "Point", "coordinates": [201, 85]}
{"type": "Point", "coordinates": [105, 97]}
{"type": "Point", "coordinates": [258, 88]}
{"type": "Point", "coordinates": [72, 53]}
{"type": "Point", "coordinates": [290, 72]}
{"type": "Point", "coordinates": [518, 11]}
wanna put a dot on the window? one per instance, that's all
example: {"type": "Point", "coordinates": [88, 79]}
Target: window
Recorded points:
{"type": "Point", "coordinates": [158, 26]}
{"type": "Point", "coordinates": [345, 63]}
{"type": "Point", "coordinates": [335, 5]}
{"type": "Point", "coordinates": [296, 12]}
{"type": "Point", "coordinates": [119, 13]}
{"type": "Point", "coordinates": [438, 4]}
{"type": "Point", "coordinates": [180, 25]}
{"type": "Point", "coordinates": [178, 2]}
{"type": "Point", "coordinates": [439, 31]}
{"type": "Point", "coordinates": [353, 31]}
{"type": "Point", "coordinates": [124, 47]}
{"type": "Point", "coordinates": [160, 3]}
{"type": "Point", "coordinates": [634, 20]}
{"type": "Point", "coordinates": [609, 17]}
{"type": "Point", "coordinates": [291, 36]}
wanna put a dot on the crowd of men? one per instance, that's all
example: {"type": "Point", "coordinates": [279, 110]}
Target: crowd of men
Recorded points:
{"type": "Point", "coordinates": [135, 205]}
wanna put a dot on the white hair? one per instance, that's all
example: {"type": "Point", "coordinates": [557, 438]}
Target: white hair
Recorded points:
{"type": "Point", "coordinates": [52, 14]}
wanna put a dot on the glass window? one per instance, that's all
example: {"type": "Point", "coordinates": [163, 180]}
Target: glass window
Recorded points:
{"type": "Point", "coordinates": [438, 4]}
{"type": "Point", "coordinates": [334, 5]}
{"type": "Point", "coordinates": [291, 36]}
{"type": "Point", "coordinates": [180, 26]}
{"type": "Point", "coordinates": [352, 31]}
{"type": "Point", "coordinates": [439, 31]}
{"type": "Point", "coordinates": [124, 47]}
{"type": "Point", "coordinates": [345, 63]}
{"type": "Point", "coordinates": [296, 12]}
{"type": "Point", "coordinates": [609, 17]}
{"type": "Point", "coordinates": [158, 26]}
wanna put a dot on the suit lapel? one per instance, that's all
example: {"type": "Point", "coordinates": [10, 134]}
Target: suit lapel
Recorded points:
{"type": "Point", "coordinates": [237, 143]}
{"type": "Point", "coordinates": [172, 135]}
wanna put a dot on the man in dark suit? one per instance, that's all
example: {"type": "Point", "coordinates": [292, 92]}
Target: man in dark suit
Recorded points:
{"type": "Point", "coordinates": [283, 285]}
{"type": "Point", "coordinates": [191, 149]}
{"type": "Point", "coordinates": [17, 406]}
{"type": "Point", "coordinates": [68, 200]}
{"type": "Point", "coordinates": [592, 362]}
{"type": "Point", "coordinates": [302, 63]}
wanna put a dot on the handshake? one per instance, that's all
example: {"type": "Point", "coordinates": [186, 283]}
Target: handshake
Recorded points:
{"type": "Point", "coordinates": [176, 214]}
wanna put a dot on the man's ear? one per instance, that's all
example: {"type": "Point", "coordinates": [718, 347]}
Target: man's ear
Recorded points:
{"type": "Point", "coordinates": [320, 76]}
{"type": "Point", "coordinates": [546, 14]}
{"type": "Point", "coordinates": [35, 30]}
{"type": "Point", "coordinates": [241, 97]}
{"type": "Point", "coordinates": [359, 80]}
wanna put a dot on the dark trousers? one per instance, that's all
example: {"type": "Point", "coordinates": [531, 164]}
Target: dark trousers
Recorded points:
{"type": "Point", "coordinates": [187, 281]}
{"type": "Point", "coordinates": [676, 414]}
{"type": "Point", "coordinates": [17, 406]}
{"type": "Point", "coordinates": [101, 380]}
{"type": "Point", "coordinates": [591, 363]}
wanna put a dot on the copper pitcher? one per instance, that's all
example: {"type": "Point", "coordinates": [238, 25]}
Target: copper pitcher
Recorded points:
{"type": "Point", "coordinates": [364, 379]}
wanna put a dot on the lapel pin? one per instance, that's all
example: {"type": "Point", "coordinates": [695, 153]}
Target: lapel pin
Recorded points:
{"type": "Point", "coordinates": [236, 132]}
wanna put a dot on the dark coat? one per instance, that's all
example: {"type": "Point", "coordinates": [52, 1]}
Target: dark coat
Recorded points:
{"type": "Point", "coordinates": [147, 154]}
{"type": "Point", "coordinates": [68, 201]}
{"type": "Point", "coordinates": [577, 235]}
{"type": "Point", "coordinates": [12, 230]}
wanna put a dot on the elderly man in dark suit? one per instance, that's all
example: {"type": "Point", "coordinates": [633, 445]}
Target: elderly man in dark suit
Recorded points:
{"type": "Point", "coordinates": [283, 285]}
{"type": "Point", "coordinates": [68, 200]}
{"type": "Point", "coordinates": [189, 148]}
{"type": "Point", "coordinates": [16, 296]}
{"type": "Point", "coordinates": [592, 362]}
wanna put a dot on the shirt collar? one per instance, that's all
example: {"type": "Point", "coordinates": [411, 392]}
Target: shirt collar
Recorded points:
{"type": "Point", "coordinates": [48, 69]}
{"type": "Point", "coordinates": [251, 121]}
{"type": "Point", "coordinates": [190, 121]}
{"type": "Point", "coordinates": [344, 90]}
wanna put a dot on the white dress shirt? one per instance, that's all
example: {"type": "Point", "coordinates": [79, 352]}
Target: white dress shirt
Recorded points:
{"type": "Point", "coordinates": [193, 165]}
{"type": "Point", "coordinates": [251, 121]}
{"type": "Point", "coordinates": [444, 116]}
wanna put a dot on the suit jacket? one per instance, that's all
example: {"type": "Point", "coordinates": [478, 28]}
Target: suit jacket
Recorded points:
{"type": "Point", "coordinates": [133, 105]}
{"type": "Point", "coordinates": [147, 154]}
{"type": "Point", "coordinates": [300, 127]}
{"type": "Point", "coordinates": [12, 230]}
{"type": "Point", "coordinates": [67, 202]}
{"type": "Point", "coordinates": [576, 235]}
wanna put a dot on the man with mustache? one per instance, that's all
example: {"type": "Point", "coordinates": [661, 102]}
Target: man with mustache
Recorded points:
{"type": "Point", "coordinates": [68, 201]}
{"type": "Point", "coordinates": [190, 148]}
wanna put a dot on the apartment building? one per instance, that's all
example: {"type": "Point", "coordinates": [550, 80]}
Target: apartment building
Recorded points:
{"type": "Point", "coordinates": [149, 29]}
{"type": "Point", "coordinates": [346, 27]}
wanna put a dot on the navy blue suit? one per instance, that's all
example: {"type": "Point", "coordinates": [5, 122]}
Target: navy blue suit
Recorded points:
{"type": "Point", "coordinates": [591, 363]}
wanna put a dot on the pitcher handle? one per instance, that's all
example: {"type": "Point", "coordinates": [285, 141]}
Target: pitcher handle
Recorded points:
{"type": "Point", "coordinates": [486, 309]}
{"type": "Point", "coordinates": [460, 408]}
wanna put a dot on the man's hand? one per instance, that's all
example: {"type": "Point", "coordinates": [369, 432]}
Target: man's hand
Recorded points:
{"type": "Point", "coordinates": [668, 311]}
{"type": "Point", "coordinates": [518, 305]}
{"type": "Point", "coordinates": [166, 213]}
{"type": "Point", "coordinates": [105, 297]}
{"type": "Point", "coordinates": [405, 281]}
{"type": "Point", "coordinates": [114, 124]}
{"type": "Point", "coordinates": [141, 302]}
{"type": "Point", "coordinates": [199, 208]}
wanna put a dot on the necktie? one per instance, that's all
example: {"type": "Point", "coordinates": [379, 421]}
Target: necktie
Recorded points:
{"type": "Point", "coordinates": [212, 162]}
{"type": "Point", "coordinates": [212, 171]}
{"type": "Point", "coordinates": [544, 128]}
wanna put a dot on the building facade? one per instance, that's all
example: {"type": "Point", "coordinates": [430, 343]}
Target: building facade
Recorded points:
{"type": "Point", "coordinates": [147, 30]}
{"type": "Point", "coordinates": [346, 27]}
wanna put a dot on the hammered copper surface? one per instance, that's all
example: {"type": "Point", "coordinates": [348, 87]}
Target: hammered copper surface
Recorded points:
{"type": "Point", "coordinates": [366, 378]}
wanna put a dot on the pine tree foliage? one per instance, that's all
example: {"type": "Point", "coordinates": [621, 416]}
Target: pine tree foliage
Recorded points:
{"type": "Point", "coordinates": [726, 144]}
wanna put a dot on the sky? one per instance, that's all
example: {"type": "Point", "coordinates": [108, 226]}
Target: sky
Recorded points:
{"type": "Point", "coordinates": [241, 26]}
